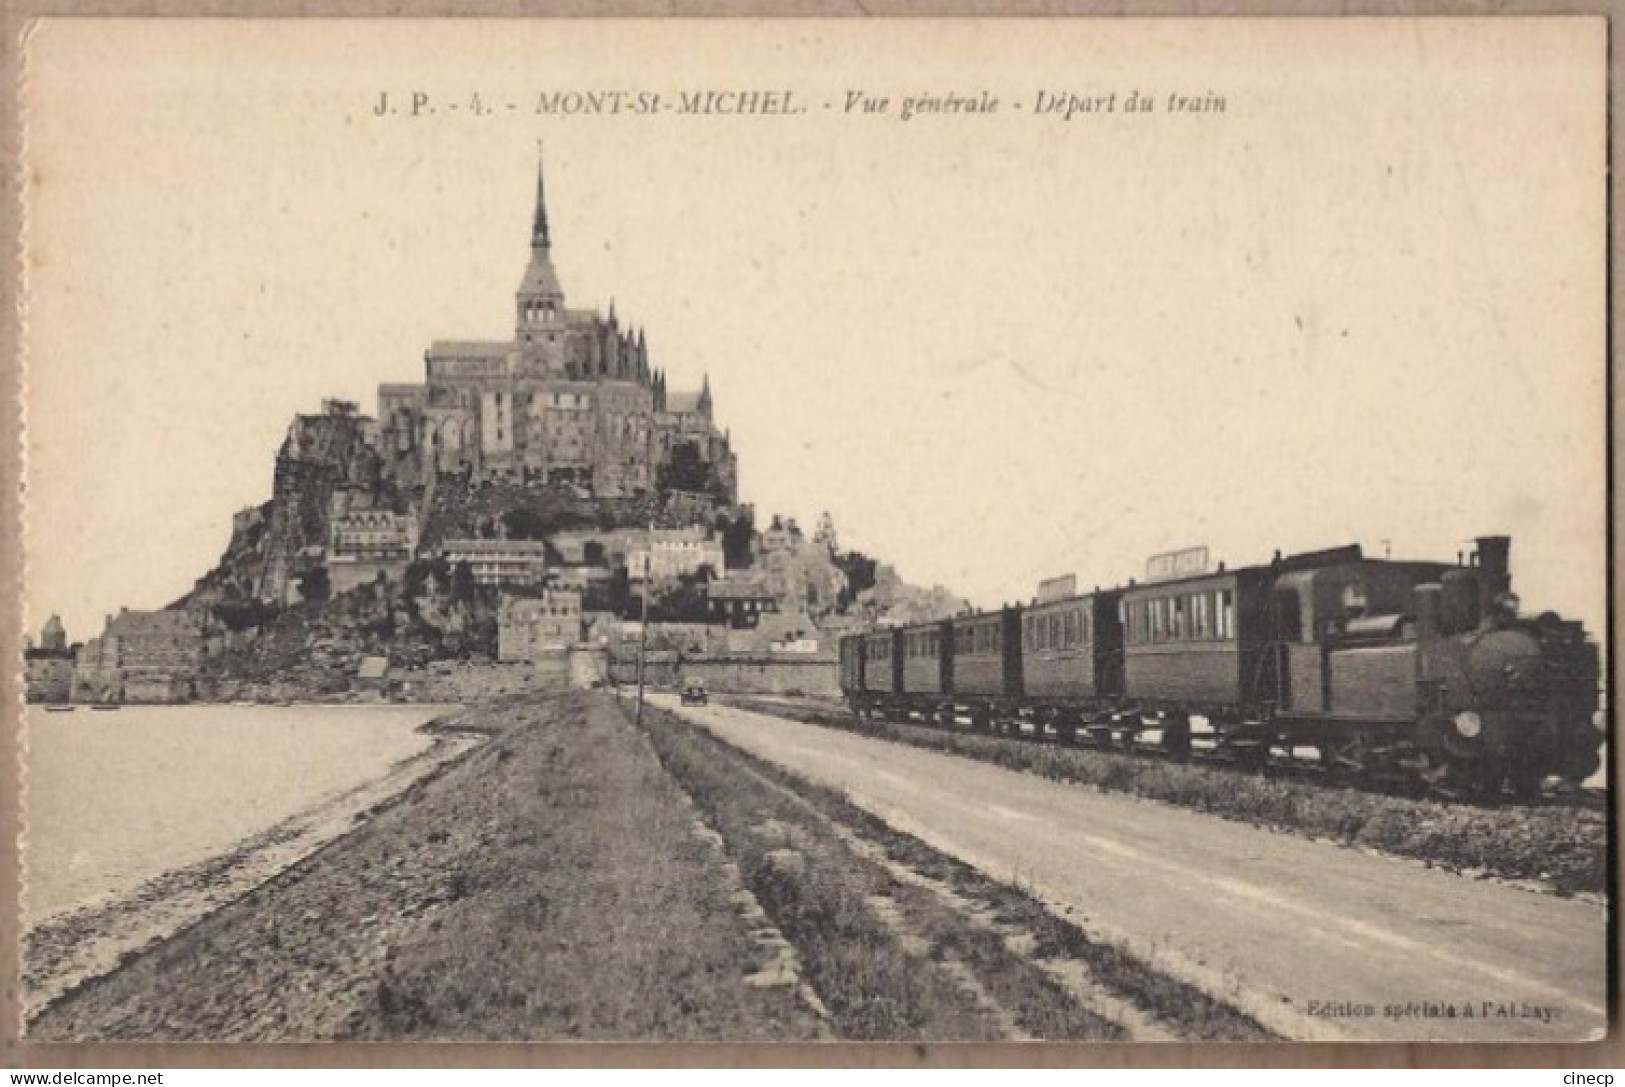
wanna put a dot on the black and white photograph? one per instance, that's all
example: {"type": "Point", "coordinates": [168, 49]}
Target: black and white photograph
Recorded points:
{"type": "Point", "coordinates": [814, 531]}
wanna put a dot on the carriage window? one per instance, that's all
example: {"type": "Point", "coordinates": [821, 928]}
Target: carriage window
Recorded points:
{"type": "Point", "coordinates": [1227, 615]}
{"type": "Point", "coordinates": [1070, 633]}
{"type": "Point", "coordinates": [1088, 626]}
{"type": "Point", "coordinates": [1199, 616]}
{"type": "Point", "coordinates": [998, 638]}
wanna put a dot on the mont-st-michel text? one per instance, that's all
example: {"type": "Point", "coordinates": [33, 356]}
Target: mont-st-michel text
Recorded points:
{"type": "Point", "coordinates": [1049, 103]}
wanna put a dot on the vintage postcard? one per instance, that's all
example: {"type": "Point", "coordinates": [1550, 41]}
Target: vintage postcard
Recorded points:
{"type": "Point", "coordinates": [815, 530]}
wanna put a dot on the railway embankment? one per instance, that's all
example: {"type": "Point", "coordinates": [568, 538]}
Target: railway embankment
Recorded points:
{"type": "Point", "coordinates": [1557, 848]}
{"type": "Point", "coordinates": [551, 885]}
{"type": "Point", "coordinates": [575, 877]}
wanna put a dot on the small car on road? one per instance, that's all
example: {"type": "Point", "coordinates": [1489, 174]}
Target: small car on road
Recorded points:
{"type": "Point", "coordinates": [693, 693]}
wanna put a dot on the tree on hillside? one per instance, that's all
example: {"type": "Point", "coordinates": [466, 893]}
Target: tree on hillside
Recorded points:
{"type": "Point", "coordinates": [238, 615]}
{"type": "Point", "coordinates": [860, 575]}
{"type": "Point", "coordinates": [688, 471]}
{"type": "Point", "coordinates": [462, 583]}
{"type": "Point", "coordinates": [738, 535]}
{"type": "Point", "coordinates": [314, 584]}
{"type": "Point", "coordinates": [685, 602]}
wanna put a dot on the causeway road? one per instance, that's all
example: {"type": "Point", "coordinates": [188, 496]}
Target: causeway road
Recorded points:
{"type": "Point", "coordinates": [1316, 941]}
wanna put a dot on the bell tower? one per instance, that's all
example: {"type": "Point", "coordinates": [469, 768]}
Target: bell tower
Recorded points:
{"type": "Point", "coordinates": [539, 303]}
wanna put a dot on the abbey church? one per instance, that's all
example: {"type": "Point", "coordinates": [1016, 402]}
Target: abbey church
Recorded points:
{"type": "Point", "coordinates": [571, 399]}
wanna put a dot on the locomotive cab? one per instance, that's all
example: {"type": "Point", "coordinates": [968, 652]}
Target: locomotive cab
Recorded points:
{"type": "Point", "coordinates": [1347, 639]}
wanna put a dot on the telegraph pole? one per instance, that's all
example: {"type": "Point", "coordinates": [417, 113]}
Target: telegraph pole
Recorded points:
{"type": "Point", "coordinates": [643, 625]}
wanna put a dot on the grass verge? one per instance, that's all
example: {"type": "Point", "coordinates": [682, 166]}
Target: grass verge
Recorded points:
{"type": "Point", "coordinates": [902, 942]}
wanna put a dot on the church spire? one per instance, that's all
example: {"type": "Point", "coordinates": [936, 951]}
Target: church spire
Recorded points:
{"type": "Point", "coordinates": [538, 232]}
{"type": "Point", "coordinates": [704, 404]}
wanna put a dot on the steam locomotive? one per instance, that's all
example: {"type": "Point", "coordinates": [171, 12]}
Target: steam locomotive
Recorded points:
{"type": "Point", "coordinates": [1424, 671]}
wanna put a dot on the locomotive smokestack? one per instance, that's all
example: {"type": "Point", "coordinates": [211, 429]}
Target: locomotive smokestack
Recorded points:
{"type": "Point", "coordinates": [1494, 570]}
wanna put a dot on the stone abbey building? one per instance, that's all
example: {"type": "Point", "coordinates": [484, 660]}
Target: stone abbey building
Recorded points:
{"type": "Point", "coordinates": [571, 399]}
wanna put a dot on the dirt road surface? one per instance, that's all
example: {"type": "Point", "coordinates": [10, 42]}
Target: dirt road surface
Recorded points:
{"type": "Point", "coordinates": [1316, 941]}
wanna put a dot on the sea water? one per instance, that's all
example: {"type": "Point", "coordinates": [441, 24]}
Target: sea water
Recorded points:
{"type": "Point", "coordinates": [113, 799]}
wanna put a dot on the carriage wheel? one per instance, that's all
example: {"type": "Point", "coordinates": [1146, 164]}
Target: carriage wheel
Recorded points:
{"type": "Point", "coordinates": [1350, 756]}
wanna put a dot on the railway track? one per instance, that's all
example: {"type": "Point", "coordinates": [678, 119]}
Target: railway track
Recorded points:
{"type": "Point", "coordinates": [819, 712]}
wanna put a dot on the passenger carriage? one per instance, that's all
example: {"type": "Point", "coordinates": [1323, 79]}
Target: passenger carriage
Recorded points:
{"type": "Point", "coordinates": [879, 676]}
{"type": "Point", "coordinates": [984, 665]}
{"type": "Point", "coordinates": [927, 674]}
{"type": "Point", "coordinates": [1072, 658]}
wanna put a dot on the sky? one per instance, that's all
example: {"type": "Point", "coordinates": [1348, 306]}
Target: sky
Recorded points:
{"type": "Point", "coordinates": [1363, 303]}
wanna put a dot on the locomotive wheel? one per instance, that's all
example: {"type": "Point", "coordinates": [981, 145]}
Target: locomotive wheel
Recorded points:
{"type": "Point", "coordinates": [1467, 780]}
{"type": "Point", "coordinates": [1579, 765]}
{"type": "Point", "coordinates": [1524, 781]}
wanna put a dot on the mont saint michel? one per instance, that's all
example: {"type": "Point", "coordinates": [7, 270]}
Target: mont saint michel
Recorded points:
{"type": "Point", "coordinates": [523, 502]}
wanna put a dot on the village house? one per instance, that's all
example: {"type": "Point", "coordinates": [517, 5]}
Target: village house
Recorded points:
{"type": "Point", "coordinates": [48, 666]}
{"type": "Point", "coordinates": [142, 656]}
{"type": "Point", "coordinates": [527, 625]}
{"type": "Point", "coordinates": [668, 554]}
{"type": "Point", "coordinates": [740, 603]}
{"type": "Point", "coordinates": [366, 543]}
{"type": "Point", "coordinates": [499, 562]}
